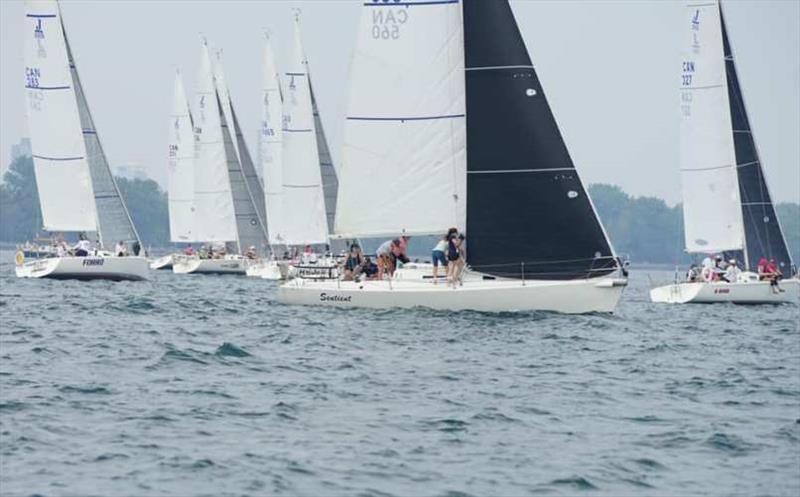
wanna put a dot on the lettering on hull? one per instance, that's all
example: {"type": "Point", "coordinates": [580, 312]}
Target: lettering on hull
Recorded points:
{"type": "Point", "coordinates": [324, 297]}
{"type": "Point", "coordinates": [93, 262]}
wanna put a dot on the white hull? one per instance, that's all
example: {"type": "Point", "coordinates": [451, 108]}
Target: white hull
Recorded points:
{"type": "Point", "coordinates": [164, 262]}
{"type": "Point", "coordinates": [499, 295]}
{"type": "Point", "coordinates": [194, 265]}
{"type": "Point", "coordinates": [747, 292]}
{"type": "Point", "coordinates": [268, 270]}
{"type": "Point", "coordinates": [86, 268]}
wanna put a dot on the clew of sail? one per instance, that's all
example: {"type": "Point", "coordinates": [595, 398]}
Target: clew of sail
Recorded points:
{"type": "Point", "coordinates": [711, 205]}
{"type": "Point", "coordinates": [213, 199]}
{"type": "Point", "coordinates": [180, 173]}
{"type": "Point", "coordinates": [304, 220]}
{"type": "Point", "coordinates": [59, 152]}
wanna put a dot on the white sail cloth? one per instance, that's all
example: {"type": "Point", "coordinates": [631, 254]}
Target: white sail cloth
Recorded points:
{"type": "Point", "coordinates": [62, 173]}
{"type": "Point", "coordinates": [404, 156]}
{"type": "Point", "coordinates": [271, 143]}
{"type": "Point", "coordinates": [213, 199]}
{"type": "Point", "coordinates": [711, 205]}
{"type": "Point", "coordinates": [180, 172]}
{"type": "Point", "coordinates": [304, 220]}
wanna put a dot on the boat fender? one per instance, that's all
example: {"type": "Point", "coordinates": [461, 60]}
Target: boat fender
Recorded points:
{"type": "Point", "coordinates": [19, 258]}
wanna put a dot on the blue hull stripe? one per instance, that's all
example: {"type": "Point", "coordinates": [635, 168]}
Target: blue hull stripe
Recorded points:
{"type": "Point", "coordinates": [424, 118]}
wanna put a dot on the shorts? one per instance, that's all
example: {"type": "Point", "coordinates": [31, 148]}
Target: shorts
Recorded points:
{"type": "Point", "coordinates": [438, 257]}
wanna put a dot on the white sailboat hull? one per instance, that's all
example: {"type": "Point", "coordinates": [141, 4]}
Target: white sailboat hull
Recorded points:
{"type": "Point", "coordinates": [194, 265]}
{"type": "Point", "coordinates": [268, 270]}
{"type": "Point", "coordinates": [86, 268]}
{"type": "Point", "coordinates": [749, 292]}
{"type": "Point", "coordinates": [164, 262]}
{"type": "Point", "coordinates": [477, 294]}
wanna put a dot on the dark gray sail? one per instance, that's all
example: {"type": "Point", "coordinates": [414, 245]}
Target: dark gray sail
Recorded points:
{"type": "Point", "coordinates": [762, 230]}
{"type": "Point", "coordinates": [248, 227]}
{"type": "Point", "coordinates": [528, 214]}
{"type": "Point", "coordinates": [252, 181]}
{"type": "Point", "coordinates": [330, 183]}
{"type": "Point", "coordinates": [113, 220]}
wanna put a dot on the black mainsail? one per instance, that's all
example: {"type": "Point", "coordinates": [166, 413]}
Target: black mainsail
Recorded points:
{"type": "Point", "coordinates": [528, 214]}
{"type": "Point", "coordinates": [762, 231]}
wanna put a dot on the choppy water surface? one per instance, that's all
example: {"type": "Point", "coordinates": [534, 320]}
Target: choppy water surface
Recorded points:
{"type": "Point", "coordinates": [200, 385]}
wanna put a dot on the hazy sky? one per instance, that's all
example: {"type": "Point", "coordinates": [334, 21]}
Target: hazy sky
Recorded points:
{"type": "Point", "coordinates": [610, 70]}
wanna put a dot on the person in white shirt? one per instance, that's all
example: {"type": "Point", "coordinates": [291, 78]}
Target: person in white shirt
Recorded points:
{"type": "Point", "coordinates": [122, 249]}
{"type": "Point", "coordinates": [83, 246]}
{"type": "Point", "coordinates": [61, 249]}
{"type": "Point", "coordinates": [732, 272]}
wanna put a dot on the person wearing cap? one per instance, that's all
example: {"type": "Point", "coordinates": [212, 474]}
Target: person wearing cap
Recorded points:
{"type": "Point", "coordinates": [774, 275]}
{"type": "Point", "coordinates": [732, 272]}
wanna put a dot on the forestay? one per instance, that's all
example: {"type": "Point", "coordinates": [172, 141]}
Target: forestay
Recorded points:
{"type": "Point", "coordinates": [404, 154]}
{"type": "Point", "coordinates": [180, 173]}
{"type": "Point", "coordinates": [59, 153]}
{"type": "Point", "coordinates": [213, 199]}
{"type": "Point", "coordinates": [271, 143]}
{"type": "Point", "coordinates": [711, 206]}
{"type": "Point", "coordinates": [304, 219]}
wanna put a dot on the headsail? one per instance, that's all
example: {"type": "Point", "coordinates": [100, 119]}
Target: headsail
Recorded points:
{"type": "Point", "coordinates": [180, 172]}
{"type": "Point", "coordinates": [330, 183]}
{"type": "Point", "coordinates": [304, 219]}
{"type": "Point", "coordinates": [59, 153]}
{"type": "Point", "coordinates": [528, 213]}
{"type": "Point", "coordinates": [271, 143]}
{"type": "Point", "coordinates": [404, 154]}
{"type": "Point", "coordinates": [711, 210]}
{"type": "Point", "coordinates": [213, 199]}
{"type": "Point", "coordinates": [113, 219]}
{"type": "Point", "coordinates": [762, 231]}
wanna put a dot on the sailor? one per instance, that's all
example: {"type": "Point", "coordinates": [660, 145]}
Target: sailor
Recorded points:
{"type": "Point", "coordinates": [719, 266]}
{"type": "Point", "coordinates": [732, 272]}
{"type": "Point", "coordinates": [400, 249]}
{"type": "Point", "coordinates": [370, 269]}
{"type": "Point", "coordinates": [189, 250]}
{"type": "Point", "coordinates": [83, 246]}
{"type": "Point", "coordinates": [121, 249]}
{"type": "Point", "coordinates": [386, 257]}
{"type": "Point", "coordinates": [251, 253]}
{"type": "Point", "coordinates": [453, 255]}
{"type": "Point", "coordinates": [354, 263]}
{"type": "Point", "coordinates": [693, 274]}
{"type": "Point", "coordinates": [61, 249]}
{"type": "Point", "coordinates": [774, 275]}
{"type": "Point", "coordinates": [137, 247]}
{"type": "Point", "coordinates": [438, 255]}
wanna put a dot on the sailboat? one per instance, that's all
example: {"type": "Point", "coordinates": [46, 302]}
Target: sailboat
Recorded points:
{"type": "Point", "coordinates": [448, 126]}
{"type": "Point", "coordinates": [226, 186]}
{"type": "Point", "coordinates": [180, 175]}
{"type": "Point", "coordinates": [727, 206]}
{"type": "Point", "coordinates": [77, 191]}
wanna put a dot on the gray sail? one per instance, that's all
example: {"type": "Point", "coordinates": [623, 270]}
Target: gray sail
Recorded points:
{"type": "Point", "coordinates": [252, 180]}
{"type": "Point", "coordinates": [113, 220]}
{"type": "Point", "coordinates": [248, 226]}
{"type": "Point", "coordinates": [330, 183]}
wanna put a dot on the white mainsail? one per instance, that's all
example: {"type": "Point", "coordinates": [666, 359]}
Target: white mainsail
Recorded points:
{"type": "Point", "coordinates": [213, 199]}
{"type": "Point", "coordinates": [271, 143]}
{"type": "Point", "coordinates": [303, 210]}
{"type": "Point", "coordinates": [404, 151]}
{"type": "Point", "coordinates": [180, 172]}
{"type": "Point", "coordinates": [59, 152]}
{"type": "Point", "coordinates": [711, 207]}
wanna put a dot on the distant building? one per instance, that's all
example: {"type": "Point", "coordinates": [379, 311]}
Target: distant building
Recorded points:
{"type": "Point", "coordinates": [132, 171]}
{"type": "Point", "coordinates": [21, 149]}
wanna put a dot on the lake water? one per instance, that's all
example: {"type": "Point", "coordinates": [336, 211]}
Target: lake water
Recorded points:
{"type": "Point", "coordinates": [198, 385]}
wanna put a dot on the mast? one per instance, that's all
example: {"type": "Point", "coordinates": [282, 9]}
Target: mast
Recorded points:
{"type": "Point", "coordinates": [528, 213]}
{"type": "Point", "coordinates": [762, 230]}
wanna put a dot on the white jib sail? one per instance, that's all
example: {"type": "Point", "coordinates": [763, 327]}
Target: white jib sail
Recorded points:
{"type": "Point", "coordinates": [216, 221]}
{"type": "Point", "coordinates": [59, 153]}
{"type": "Point", "coordinates": [303, 210]}
{"type": "Point", "coordinates": [271, 143]}
{"type": "Point", "coordinates": [711, 207]}
{"type": "Point", "coordinates": [180, 172]}
{"type": "Point", "coordinates": [404, 154]}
